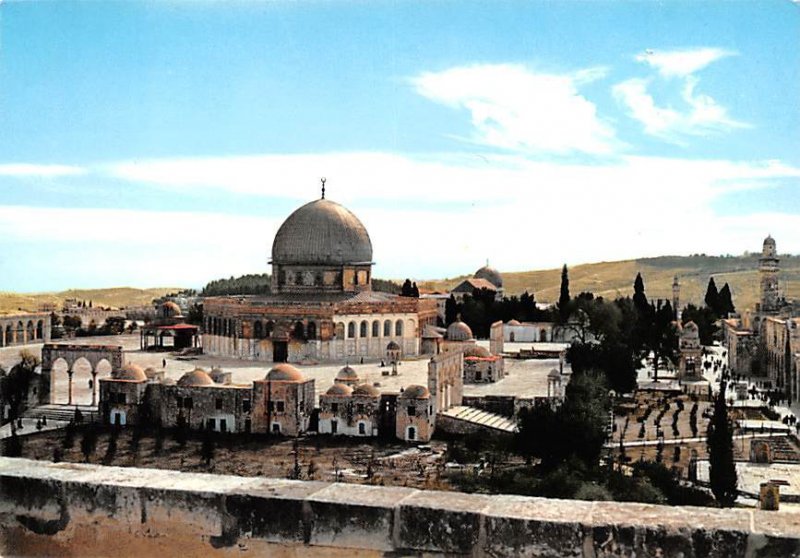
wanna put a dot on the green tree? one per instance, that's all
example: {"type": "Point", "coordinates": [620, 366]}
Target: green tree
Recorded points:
{"type": "Point", "coordinates": [712, 296]}
{"type": "Point", "coordinates": [450, 310]}
{"type": "Point", "coordinates": [407, 289]}
{"type": "Point", "coordinates": [564, 298]}
{"type": "Point", "coordinates": [726, 301]}
{"type": "Point", "coordinates": [704, 318]}
{"type": "Point", "coordinates": [722, 469]}
{"type": "Point", "coordinates": [664, 338]}
{"type": "Point", "coordinates": [208, 447]}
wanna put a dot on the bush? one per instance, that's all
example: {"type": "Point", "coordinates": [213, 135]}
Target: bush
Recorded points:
{"type": "Point", "coordinates": [594, 492]}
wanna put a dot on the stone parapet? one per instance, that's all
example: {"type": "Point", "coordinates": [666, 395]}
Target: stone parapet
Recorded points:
{"type": "Point", "coordinates": [73, 509]}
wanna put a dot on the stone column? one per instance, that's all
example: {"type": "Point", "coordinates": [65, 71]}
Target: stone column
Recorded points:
{"type": "Point", "coordinates": [69, 396]}
{"type": "Point", "coordinates": [94, 388]}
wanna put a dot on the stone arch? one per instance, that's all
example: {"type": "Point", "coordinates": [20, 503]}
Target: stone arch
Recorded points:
{"type": "Point", "coordinates": [387, 328]}
{"type": "Point", "coordinates": [20, 332]}
{"type": "Point", "coordinates": [258, 330]}
{"type": "Point", "coordinates": [311, 331]}
{"type": "Point", "coordinates": [269, 327]}
{"type": "Point", "coordinates": [9, 335]}
{"type": "Point", "coordinates": [351, 330]}
{"type": "Point", "coordinates": [398, 328]}
{"type": "Point", "coordinates": [71, 355]}
{"type": "Point", "coordinates": [30, 331]}
{"type": "Point", "coordinates": [511, 337]}
{"type": "Point", "coordinates": [376, 328]}
{"type": "Point", "coordinates": [299, 330]}
{"type": "Point", "coordinates": [543, 335]}
{"type": "Point", "coordinates": [363, 329]}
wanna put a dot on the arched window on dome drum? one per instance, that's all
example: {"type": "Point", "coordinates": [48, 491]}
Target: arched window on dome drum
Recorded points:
{"type": "Point", "coordinates": [387, 328]}
{"type": "Point", "coordinates": [376, 328]}
{"type": "Point", "coordinates": [351, 330]}
{"type": "Point", "coordinates": [339, 330]}
{"type": "Point", "coordinates": [268, 328]}
{"type": "Point", "coordinates": [398, 328]}
{"type": "Point", "coordinates": [311, 332]}
{"type": "Point", "coordinates": [258, 330]}
{"type": "Point", "coordinates": [299, 331]}
{"type": "Point", "coordinates": [363, 329]}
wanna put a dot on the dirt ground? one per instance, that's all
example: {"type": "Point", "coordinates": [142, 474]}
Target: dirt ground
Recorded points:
{"type": "Point", "coordinates": [319, 457]}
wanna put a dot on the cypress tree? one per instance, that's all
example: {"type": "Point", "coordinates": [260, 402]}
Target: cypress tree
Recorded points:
{"type": "Point", "coordinates": [639, 298]}
{"type": "Point", "coordinates": [450, 310]}
{"type": "Point", "coordinates": [414, 290]}
{"type": "Point", "coordinates": [564, 298]}
{"type": "Point", "coordinates": [712, 296]}
{"type": "Point", "coordinates": [726, 301]}
{"type": "Point", "coordinates": [722, 469]}
{"type": "Point", "coordinates": [406, 289]}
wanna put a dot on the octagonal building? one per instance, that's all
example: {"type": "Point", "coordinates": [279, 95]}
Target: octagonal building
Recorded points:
{"type": "Point", "coordinates": [322, 307]}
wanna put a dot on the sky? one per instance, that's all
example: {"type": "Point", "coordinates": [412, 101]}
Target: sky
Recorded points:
{"type": "Point", "coordinates": [163, 143]}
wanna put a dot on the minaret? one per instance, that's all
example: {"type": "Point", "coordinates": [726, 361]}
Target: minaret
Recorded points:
{"type": "Point", "coordinates": [768, 269]}
{"type": "Point", "coordinates": [676, 297]}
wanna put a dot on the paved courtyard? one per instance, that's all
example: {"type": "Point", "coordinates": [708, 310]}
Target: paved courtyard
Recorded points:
{"type": "Point", "coordinates": [524, 378]}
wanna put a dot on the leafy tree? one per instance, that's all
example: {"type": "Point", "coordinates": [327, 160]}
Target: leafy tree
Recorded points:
{"type": "Point", "coordinates": [564, 298]}
{"type": "Point", "coordinates": [722, 469]}
{"type": "Point", "coordinates": [712, 296]}
{"type": "Point", "coordinates": [243, 285]}
{"type": "Point", "coordinates": [704, 318]}
{"type": "Point", "coordinates": [195, 314]}
{"type": "Point", "coordinates": [576, 430]}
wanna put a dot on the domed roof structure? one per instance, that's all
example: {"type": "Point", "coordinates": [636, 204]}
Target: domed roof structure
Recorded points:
{"type": "Point", "coordinates": [415, 392]}
{"type": "Point", "coordinates": [459, 331]}
{"type": "Point", "coordinates": [322, 232]}
{"type": "Point", "coordinates": [284, 373]}
{"type": "Point", "coordinates": [347, 374]}
{"type": "Point", "coordinates": [130, 372]}
{"type": "Point", "coordinates": [491, 275]}
{"type": "Point", "coordinates": [392, 346]}
{"type": "Point", "coordinates": [476, 351]}
{"type": "Point", "coordinates": [339, 389]}
{"type": "Point", "coordinates": [513, 323]}
{"type": "Point", "coordinates": [769, 240]}
{"type": "Point", "coordinates": [170, 310]}
{"type": "Point", "coordinates": [366, 390]}
{"type": "Point", "coordinates": [195, 378]}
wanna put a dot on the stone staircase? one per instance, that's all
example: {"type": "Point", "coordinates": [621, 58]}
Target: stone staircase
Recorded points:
{"type": "Point", "coordinates": [64, 413]}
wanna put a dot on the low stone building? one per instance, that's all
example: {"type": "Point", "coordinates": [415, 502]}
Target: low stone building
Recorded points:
{"type": "Point", "coordinates": [283, 401]}
{"type": "Point", "coordinates": [122, 396]}
{"type": "Point", "coordinates": [350, 411]}
{"type": "Point", "coordinates": [415, 415]}
{"type": "Point", "coordinates": [480, 366]}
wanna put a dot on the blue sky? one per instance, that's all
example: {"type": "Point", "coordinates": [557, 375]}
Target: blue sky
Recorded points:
{"type": "Point", "coordinates": [162, 143]}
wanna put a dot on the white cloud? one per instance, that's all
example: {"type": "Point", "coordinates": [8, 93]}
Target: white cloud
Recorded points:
{"type": "Point", "coordinates": [41, 171]}
{"type": "Point", "coordinates": [701, 114]}
{"type": "Point", "coordinates": [679, 63]}
{"type": "Point", "coordinates": [514, 108]}
{"type": "Point", "coordinates": [428, 217]}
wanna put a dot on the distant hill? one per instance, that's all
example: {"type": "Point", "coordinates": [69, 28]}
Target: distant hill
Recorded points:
{"type": "Point", "coordinates": [118, 297]}
{"type": "Point", "coordinates": [612, 279]}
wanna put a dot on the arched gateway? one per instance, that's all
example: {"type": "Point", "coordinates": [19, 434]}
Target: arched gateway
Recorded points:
{"type": "Point", "coordinates": [93, 354]}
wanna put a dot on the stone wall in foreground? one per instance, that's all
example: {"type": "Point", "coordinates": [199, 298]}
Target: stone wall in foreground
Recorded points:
{"type": "Point", "coordinates": [70, 510]}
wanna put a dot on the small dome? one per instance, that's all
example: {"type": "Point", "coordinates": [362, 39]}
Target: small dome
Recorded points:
{"type": "Point", "coordinates": [339, 389]}
{"type": "Point", "coordinates": [769, 240]}
{"type": "Point", "coordinates": [554, 373]}
{"type": "Point", "coordinates": [392, 346]}
{"type": "Point", "coordinates": [195, 378]}
{"type": "Point", "coordinates": [322, 232]}
{"type": "Point", "coordinates": [459, 331]}
{"type": "Point", "coordinates": [347, 374]}
{"type": "Point", "coordinates": [476, 351]}
{"type": "Point", "coordinates": [491, 275]}
{"type": "Point", "coordinates": [285, 373]}
{"type": "Point", "coordinates": [513, 323]}
{"type": "Point", "coordinates": [366, 390]}
{"type": "Point", "coordinates": [170, 310]}
{"type": "Point", "coordinates": [130, 372]}
{"type": "Point", "coordinates": [415, 392]}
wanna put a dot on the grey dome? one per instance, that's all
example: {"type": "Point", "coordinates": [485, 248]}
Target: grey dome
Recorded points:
{"type": "Point", "coordinates": [459, 331]}
{"type": "Point", "coordinates": [322, 232]}
{"type": "Point", "coordinates": [491, 275]}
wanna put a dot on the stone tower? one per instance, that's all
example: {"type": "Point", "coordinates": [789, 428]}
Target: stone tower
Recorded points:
{"type": "Point", "coordinates": [768, 269]}
{"type": "Point", "coordinates": [676, 297]}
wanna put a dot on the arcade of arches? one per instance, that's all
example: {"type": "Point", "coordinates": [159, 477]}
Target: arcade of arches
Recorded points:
{"type": "Point", "coordinates": [21, 329]}
{"type": "Point", "coordinates": [71, 360]}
